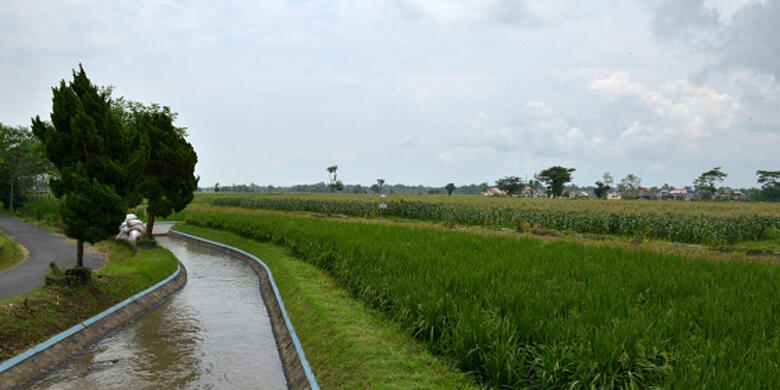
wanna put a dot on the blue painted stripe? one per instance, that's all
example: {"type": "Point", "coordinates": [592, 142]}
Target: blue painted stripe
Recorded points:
{"type": "Point", "coordinates": [296, 342]}
{"type": "Point", "coordinates": [10, 363]}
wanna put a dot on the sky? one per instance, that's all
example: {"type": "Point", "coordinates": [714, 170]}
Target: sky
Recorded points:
{"type": "Point", "coordinates": [423, 91]}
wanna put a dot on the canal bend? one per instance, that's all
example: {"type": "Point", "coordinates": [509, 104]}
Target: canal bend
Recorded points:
{"type": "Point", "coordinates": [215, 333]}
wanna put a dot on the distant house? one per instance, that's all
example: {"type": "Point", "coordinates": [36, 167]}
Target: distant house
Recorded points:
{"type": "Point", "coordinates": [646, 193]}
{"type": "Point", "coordinates": [678, 192]}
{"type": "Point", "coordinates": [533, 193]}
{"type": "Point", "coordinates": [41, 184]}
{"type": "Point", "coordinates": [493, 191]}
{"type": "Point", "coordinates": [614, 195]}
{"type": "Point", "coordinates": [732, 195]}
{"type": "Point", "coordinates": [579, 194]}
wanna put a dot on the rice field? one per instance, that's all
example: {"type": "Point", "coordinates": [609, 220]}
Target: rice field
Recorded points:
{"type": "Point", "coordinates": [522, 313]}
{"type": "Point", "coordinates": [690, 222]}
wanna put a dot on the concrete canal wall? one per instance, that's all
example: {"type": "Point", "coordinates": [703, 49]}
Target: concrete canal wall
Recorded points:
{"type": "Point", "coordinates": [296, 368]}
{"type": "Point", "coordinates": [39, 360]}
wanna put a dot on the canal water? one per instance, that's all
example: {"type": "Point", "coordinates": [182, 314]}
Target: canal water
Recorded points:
{"type": "Point", "coordinates": [214, 334]}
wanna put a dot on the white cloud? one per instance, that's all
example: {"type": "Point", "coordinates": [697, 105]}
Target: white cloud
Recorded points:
{"type": "Point", "coordinates": [442, 86]}
{"type": "Point", "coordinates": [679, 111]}
{"type": "Point", "coordinates": [463, 154]}
{"type": "Point", "coordinates": [272, 90]}
{"type": "Point", "coordinates": [539, 108]}
{"type": "Point", "coordinates": [534, 129]}
{"type": "Point", "coordinates": [733, 34]}
{"type": "Point", "coordinates": [658, 167]}
{"type": "Point", "coordinates": [470, 11]}
{"type": "Point", "coordinates": [619, 83]}
{"type": "Point", "coordinates": [727, 8]}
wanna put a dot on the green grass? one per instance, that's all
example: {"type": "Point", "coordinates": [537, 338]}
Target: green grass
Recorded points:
{"type": "Point", "coordinates": [348, 345]}
{"type": "Point", "coordinates": [771, 244]}
{"type": "Point", "coordinates": [10, 253]}
{"type": "Point", "coordinates": [524, 313]}
{"type": "Point", "coordinates": [32, 318]}
{"type": "Point", "coordinates": [42, 212]}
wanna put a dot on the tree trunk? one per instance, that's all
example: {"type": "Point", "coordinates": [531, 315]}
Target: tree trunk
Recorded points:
{"type": "Point", "coordinates": [150, 225]}
{"type": "Point", "coordinates": [79, 253]}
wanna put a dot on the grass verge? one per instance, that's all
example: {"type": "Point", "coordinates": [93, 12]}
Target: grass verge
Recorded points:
{"type": "Point", "coordinates": [43, 213]}
{"type": "Point", "coordinates": [10, 253]}
{"type": "Point", "coordinates": [348, 345]}
{"type": "Point", "coordinates": [770, 245]}
{"type": "Point", "coordinates": [32, 318]}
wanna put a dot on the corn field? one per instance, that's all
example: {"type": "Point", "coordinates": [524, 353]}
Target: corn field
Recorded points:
{"type": "Point", "coordinates": [713, 228]}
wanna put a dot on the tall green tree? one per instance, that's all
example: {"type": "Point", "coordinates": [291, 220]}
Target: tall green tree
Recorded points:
{"type": "Point", "coordinates": [450, 187]}
{"type": "Point", "coordinates": [705, 183]}
{"type": "Point", "coordinates": [21, 159]}
{"type": "Point", "coordinates": [607, 179]}
{"type": "Point", "coordinates": [98, 158]}
{"type": "Point", "coordinates": [513, 185]}
{"type": "Point", "coordinates": [601, 190]}
{"type": "Point", "coordinates": [629, 186]}
{"type": "Point", "coordinates": [333, 183]}
{"type": "Point", "coordinates": [168, 181]}
{"type": "Point", "coordinates": [770, 185]}
{"type": "Point", "coordinates": [555, 177]}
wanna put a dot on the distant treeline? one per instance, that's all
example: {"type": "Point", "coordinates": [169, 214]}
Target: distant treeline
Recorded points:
{"type": "Point", "coordinates": [322, 187]}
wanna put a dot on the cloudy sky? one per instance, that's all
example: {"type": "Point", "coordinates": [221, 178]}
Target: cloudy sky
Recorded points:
{"type": "Point", "coordinates": [424, 91]}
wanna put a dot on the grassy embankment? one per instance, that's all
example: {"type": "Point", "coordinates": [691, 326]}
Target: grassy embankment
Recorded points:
{"type": "Point", "coordinates": [769, 245]}
{"type": "Point", "coordinates": [527, 313]}
{"type": "Point", "coordinates": [34, 317]}
{"type": "Point", "coordinates": [348, 345]}
{"type": "Point", "coordinates": [701, 222]}
{"type": "Point", "coordinates": [42, 212]}
{"type": "Point", "coordinates": [10, 253]}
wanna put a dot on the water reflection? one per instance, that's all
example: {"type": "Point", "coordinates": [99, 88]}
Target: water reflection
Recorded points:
{"type": "Point", "coordinates": [215, 333]}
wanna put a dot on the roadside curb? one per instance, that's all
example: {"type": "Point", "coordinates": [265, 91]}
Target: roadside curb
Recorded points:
{"type": "Point", "coordinates": [296, 367]}
{"type": "Point", "coordinates": [37, 361]}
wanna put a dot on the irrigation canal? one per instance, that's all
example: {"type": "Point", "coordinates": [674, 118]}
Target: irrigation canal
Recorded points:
{"type": "Point", "coordinates": [214, 333]}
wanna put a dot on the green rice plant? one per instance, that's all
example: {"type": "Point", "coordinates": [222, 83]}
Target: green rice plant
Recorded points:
{"type": "Point", "coordinates": [522, 313]}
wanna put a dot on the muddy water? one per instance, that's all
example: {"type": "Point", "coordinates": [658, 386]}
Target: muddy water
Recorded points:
{"type": "Point", "coordinates": [214, 334]}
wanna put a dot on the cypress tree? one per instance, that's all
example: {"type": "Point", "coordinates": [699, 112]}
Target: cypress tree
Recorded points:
{"type": "Point", "coordinates": [98, 159]}
{"type": "Point", "coordinates": [168, 182]}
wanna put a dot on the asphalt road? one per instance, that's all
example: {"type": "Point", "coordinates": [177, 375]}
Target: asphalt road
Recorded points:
{"type": "Point", "coordinates": [44, 247]}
